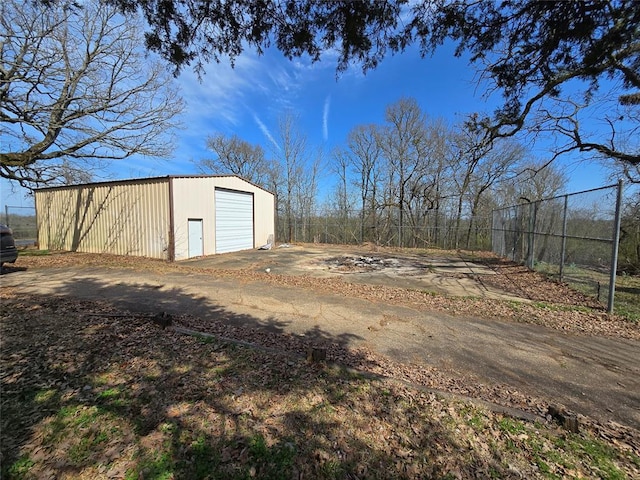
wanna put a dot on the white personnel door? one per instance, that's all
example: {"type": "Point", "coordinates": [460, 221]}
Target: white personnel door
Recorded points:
{"type": "Point", "coordinates": [195, 238]}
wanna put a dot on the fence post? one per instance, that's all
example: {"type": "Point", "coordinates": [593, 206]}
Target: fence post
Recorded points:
{"type": "Point", "coordinates": [6, 215]}
{"type": "Point", "coordinates": [531, 239]}
{"type": "Point", "coordinates": [326, 230]}
{"type": "Point", "coordinates": [614, 249]}
{"type": "Point", "coordinates": [563, 248]}
{"type": "Point", "coordinates": [518, 237]}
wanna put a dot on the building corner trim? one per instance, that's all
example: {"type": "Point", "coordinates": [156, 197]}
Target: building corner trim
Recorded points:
{"type": "Point", "coordinates": [171, 248]}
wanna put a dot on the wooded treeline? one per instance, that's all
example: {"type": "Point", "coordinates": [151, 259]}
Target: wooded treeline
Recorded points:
{"type": "Point", "coordinates": [410, 181]}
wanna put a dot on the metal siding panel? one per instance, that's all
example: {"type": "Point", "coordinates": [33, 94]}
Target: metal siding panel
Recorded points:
{"type": "Point", "coordinates": [234, 221]}
{"type": "Point", "coordinates": [132, 217]}
{"type": "Point", "coordinates": [264, 217]}
{"type": "Point", "coordinates": [125, 219]}
{"type": "Point", "coordinates": [193, 198]}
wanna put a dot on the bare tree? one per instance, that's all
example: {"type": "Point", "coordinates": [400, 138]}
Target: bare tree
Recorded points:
{"type": "Point", "coordinates": [365, 155]}
{"type": "Point", "coordinates": [236, 156]}
{"type": "Point", "coordinates": [306, 191]}
{"type": "Point", "coordinates": [293, 155]}
{"type": "Point", "coordinates": [540, 180]}
{"type": "Point", "coordinates": [471, 145]}
{"type": "Point", "coordinates": [429, 190]}
{"type": "Point", "coordinates": [495, 168]}
{"type": "Point", "coordinates": [404, 144]}
{"type": "Point", "coordinates": [76, 91]}
{"type": "Point", "coordinates": [340, 166]}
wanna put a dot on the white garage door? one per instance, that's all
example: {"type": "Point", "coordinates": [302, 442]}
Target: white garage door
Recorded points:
{"type": "Point", "coordinates": [234, 221]}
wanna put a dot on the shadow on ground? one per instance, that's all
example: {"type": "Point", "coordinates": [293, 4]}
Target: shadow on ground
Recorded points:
{"type": "Point", "coordinates": [8, 269]}
{"type": "Point", "coordinates": [91, 389]}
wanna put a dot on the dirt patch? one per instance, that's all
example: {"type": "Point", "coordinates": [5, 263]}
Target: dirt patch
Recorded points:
{"type": "Point", "coordinates": [431, 281]}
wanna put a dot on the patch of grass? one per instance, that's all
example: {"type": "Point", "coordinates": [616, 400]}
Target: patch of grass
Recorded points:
{"type": "Point", "coordinates": [554, 455]}
{"type": "Point", "coordinates": [332, 469]}
{"type": "Point", "coordinates": [555, 307]}
{"type": "Point", "coordinates": [83, 429]}
{"type": "Point", "coordinates": [57, 428]}
{"type": "Point", "coordinates": [204, 459]}
{"type": "Point", "coordinates": [430, 293]}
{"type": "Point", "coordinates": [20, 468]}
{"type": "Point", "coordinates": [110, 393]}
{"type": "Point", "coordinates": [168, 428]}
{"type": "Point", "coordinates": [627, 299]}
{"type": "Point", "coordinates": [206, 339]}
{"type": "Point", "coordinates": [473, 417]}
{"type": "Point", "coordinates": [88, 444]}
{"type": "Point", "coordinates": [276, 460]}
{"type": "Point", "coordinates": [511, 425]}
{"type": "Point", "coordinates": [29, 252]}
{"type": "Point", "coordinates": [630, 312]}
{"type": "Point", "coordinates": [601, 456]}
{"type": "Point", "coordinates": [152, 466]}
{"type": "Point", "coordinates": [45, 396]}
{"type": "Point", "coordinates": [515, 305]}
{"type": "Point", "coordinates": [82, 416]}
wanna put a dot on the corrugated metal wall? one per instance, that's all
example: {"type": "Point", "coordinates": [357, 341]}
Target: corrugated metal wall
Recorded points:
{"type": "Point", "coordinates": [128, 218]}
{"type": "Point", "coordinates": [193, 198]}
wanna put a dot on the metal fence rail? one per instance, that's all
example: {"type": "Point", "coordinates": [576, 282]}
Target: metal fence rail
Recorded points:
{"type": "Point", "coordinates": [446, 233]}
{"type": "Point", "coordinates": [573, 237]}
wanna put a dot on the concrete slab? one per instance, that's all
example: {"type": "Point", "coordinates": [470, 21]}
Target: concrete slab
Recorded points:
{"type": "Point", "coordinates": [427, 271]}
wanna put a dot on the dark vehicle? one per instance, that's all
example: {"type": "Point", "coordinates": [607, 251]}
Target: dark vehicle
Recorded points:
{"type": "Point", "coordinates": [8, 252]}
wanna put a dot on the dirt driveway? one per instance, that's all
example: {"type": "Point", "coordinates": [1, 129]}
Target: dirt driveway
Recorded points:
{"type": "Point", "coordinates": [593, 375]}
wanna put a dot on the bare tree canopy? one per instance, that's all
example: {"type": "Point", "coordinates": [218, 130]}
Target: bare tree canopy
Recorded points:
{"type": "Point", "coordinates": [529, 50]}
{"type": "Point", "coordinates": [75, 90]}
{"type": "Point", "coordinates": [236, 156]}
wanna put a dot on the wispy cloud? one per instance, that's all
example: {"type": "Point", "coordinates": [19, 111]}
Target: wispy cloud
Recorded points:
{"type": "Point", "coordinates": [257, 91]}
{"type": "Point", "coordinates": [218, 97]}
{"type": "Point", "coordinates": [325, 118]}
{"type": "Point", "coordinates": [265, 131]}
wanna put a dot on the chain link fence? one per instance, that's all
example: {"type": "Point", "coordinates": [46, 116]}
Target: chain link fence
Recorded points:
{"type": "Point", "coordinates": [444, 232]}
{"type": "Point", "coordinates": [22, 221]}
{"type": "Point", "coordinates": [572, 237]}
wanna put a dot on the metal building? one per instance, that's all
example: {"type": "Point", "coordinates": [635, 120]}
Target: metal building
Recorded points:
{"type": "Point", "coordinates": [172, 217]}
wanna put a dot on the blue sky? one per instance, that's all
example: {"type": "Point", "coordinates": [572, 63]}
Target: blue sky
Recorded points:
{"type": "Point", "coordinates": [248, 99]}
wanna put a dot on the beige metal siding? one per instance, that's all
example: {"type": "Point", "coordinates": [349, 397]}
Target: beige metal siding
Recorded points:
{"type": "Point", "coordinates": [193, 198]}
{"type": "Point", "coordinates": [129, 218]}
{"type": "Point", "coordinates": [264, 213]}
